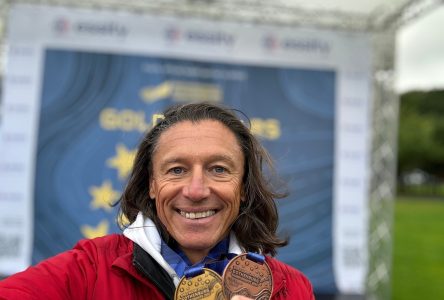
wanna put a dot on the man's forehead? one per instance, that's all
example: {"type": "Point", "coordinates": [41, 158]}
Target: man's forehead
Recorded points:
{"type": "Point", "coordinates": [207, 137]}
{"type": "Point", "coordinates": [204, 128]}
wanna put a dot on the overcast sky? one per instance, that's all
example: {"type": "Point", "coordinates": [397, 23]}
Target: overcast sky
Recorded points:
{"type": "Point", "coordinates": [420, 53]}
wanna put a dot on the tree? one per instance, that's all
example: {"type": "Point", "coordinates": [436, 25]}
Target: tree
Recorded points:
{"type": "Point", "coordinates": [421, 132]}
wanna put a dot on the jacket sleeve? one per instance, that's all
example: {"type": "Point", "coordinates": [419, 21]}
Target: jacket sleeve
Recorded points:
{"type": "Point", "coordinates": [289, 283]}
{"type": "Point", "coordinates": [69, 275]}
{"type": "Point", "coordinates": [308, 287]}
{"type": "Point", "coordinates": [299, 287]}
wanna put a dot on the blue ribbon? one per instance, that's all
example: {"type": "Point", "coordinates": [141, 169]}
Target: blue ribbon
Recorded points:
{"type": "Point", "coordinates": [215, 264]}
{"type": "Point", "coordinates": [194, 271]}
{"type": "Point", "coordinates": [256, 257]}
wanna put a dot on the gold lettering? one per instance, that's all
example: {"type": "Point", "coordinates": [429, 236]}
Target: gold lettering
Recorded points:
{"type": "Point", "coordinates": [107, 119]}
{"type": "Point", "coordinates": [273, 129]}
{"type": "Point", "coordinates": [269, 129]}
{"type": "Point", "coordinates": [182, 91]}
{"type": "Point", "coordinates": [131, 120]}
{"type": "Point", "coordinates": [125, 120]}
{"type": "Point", "coordinates": [156, 93]}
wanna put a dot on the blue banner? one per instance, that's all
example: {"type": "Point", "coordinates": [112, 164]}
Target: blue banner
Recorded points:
{"type": "Point", "coordinates": [95, 108]}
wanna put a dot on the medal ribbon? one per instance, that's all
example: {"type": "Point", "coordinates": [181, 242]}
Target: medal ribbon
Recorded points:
{"type": "Point", "coordinates": [256, 257]}
{"type": "Point", "coordinates": [193, 271]}
{"type": "Point", "coordinates": [198, 269]}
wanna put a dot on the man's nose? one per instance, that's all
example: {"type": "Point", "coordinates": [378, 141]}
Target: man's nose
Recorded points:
{"type": "Point", "coordinates": [197, 187]}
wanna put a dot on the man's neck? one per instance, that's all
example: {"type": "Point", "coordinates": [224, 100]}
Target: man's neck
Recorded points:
{"type": "Point", "coordinates": [195, 256]}
{"type": "Point", "coordinates": [181, 259]}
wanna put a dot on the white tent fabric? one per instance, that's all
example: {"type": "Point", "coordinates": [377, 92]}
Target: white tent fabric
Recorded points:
{"type": "Point", "coordinates": [351, 15]}
{"type": "Point", "coordinates": [345, 14]}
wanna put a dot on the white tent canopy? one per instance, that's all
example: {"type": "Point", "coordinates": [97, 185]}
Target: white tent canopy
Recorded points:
{"type": "Point", "coordinates": [345, 14]}
{"type": "Point", "coordinates": [350, 15]}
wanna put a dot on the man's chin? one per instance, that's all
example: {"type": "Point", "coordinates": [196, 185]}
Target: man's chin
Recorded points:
{"type": "Point", "coordinates": [199, 245]}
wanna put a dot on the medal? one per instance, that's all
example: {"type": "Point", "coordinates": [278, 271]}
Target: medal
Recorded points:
{"type": "Point", "coordinates": [201, 283]}
{"type": "Point", "coordinates": [248, 275]}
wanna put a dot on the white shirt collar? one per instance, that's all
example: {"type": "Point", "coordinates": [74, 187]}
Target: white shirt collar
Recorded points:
{"type": "Point", "coordinates": [144, 233]}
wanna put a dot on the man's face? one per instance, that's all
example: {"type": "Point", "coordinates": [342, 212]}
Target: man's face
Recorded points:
{"type": "Point", "coordinates": [197, 184]}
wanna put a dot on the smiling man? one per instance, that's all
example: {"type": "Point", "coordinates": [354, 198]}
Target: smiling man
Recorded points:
{"type": "Point", "coordinates": [196, 198]}
{"type": "Point", "coordinates": [197, 184]}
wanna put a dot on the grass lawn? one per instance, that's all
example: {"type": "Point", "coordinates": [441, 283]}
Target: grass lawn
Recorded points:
{"type": "Point", "coordinates": [418, 250]}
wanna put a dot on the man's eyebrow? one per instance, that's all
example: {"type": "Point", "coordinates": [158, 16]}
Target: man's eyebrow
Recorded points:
{"type": "Point", "coordinates": [222, 157]}
{"type": "Point", "coordinates": [169, 161]}
{"type": "Point", "coordinates": [212, 158]}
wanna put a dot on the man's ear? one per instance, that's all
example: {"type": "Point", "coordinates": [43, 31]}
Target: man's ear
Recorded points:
{"type": "Point", "coordinates": [152, 192]}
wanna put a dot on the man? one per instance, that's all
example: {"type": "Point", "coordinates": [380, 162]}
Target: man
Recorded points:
{"type": "Point", "coordinates": [196, 197]}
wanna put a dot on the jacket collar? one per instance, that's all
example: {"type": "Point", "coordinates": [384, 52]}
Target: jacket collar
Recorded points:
{"type": "Point", "coordinates": [151, 269]}
{"type": "Point", "coordinates": [142, 267]}
{"type": "Point", "coordinates": [144, 233]}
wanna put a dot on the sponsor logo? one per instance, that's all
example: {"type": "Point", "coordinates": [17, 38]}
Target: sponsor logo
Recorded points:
{"type": "Point", "coordinates": [271, 43]}
{"type": "Point", "coordinates": [63, 26]}
{"type": "Point", "coordinates": [106, 28]}
{"type": "Point", "coordinates": [173, 34]}
{"type": "Point", "coordinates": [210, 37]}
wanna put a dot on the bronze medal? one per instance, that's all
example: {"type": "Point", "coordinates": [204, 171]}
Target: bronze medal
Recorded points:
{"type": "Point", "coordinates": [207, 285]}
{"type": "Point", "coordinates": [249, 278]}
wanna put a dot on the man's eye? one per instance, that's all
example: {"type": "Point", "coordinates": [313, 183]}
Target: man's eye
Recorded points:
{"type": "Point", "coordinates": [219, 170]}
{"type": "Point", "coordinates": [176, 171]}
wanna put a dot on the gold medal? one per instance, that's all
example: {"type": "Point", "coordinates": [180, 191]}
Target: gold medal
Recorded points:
{"type": "Point", "coordinates": [207, 285]}
{"type": "Point", "coordinates": [248, 277]}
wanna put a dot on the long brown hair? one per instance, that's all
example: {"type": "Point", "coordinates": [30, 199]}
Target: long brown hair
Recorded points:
{"type": "Point", "coordinates": [256, 225]}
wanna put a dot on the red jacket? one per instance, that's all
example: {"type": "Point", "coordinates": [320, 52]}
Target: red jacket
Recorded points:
{"type": "Point", "coordinates": [107, 268]}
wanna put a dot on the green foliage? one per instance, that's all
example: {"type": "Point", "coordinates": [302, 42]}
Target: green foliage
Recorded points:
{"type": "Point", "coordinates": [421, 132]}
{"type": "Point", "coordinates": [433, 189]}
{"type": "Point", "coordinates": [418, 251]}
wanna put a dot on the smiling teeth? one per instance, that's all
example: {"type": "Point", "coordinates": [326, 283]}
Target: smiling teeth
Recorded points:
{"type": "Point", "coordinates": [197, 215]}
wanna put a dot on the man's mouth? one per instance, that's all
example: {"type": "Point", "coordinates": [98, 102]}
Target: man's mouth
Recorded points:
{"type": "Point", "coordinates": [197, 215]}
